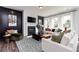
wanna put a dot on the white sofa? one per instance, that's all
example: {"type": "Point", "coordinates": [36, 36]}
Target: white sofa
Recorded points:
{"type": "Point", "coordinates": [51, 46]}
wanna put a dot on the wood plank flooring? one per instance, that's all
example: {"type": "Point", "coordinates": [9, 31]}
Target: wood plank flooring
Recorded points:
{"type": "Point", "coordinates": [8, 47]}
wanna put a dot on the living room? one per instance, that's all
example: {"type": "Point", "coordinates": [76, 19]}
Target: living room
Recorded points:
{"type": "Point", "coordinates": [40, 27]}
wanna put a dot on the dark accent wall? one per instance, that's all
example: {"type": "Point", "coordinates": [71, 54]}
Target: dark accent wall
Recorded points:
{"type": "Point", "coordinates": [4, 12]}
{"type": "Point", "coordinates": [42, 19]}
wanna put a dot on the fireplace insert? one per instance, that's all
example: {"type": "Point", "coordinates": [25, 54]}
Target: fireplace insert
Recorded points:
{"type": "Point", "coordinates": [31, 30]}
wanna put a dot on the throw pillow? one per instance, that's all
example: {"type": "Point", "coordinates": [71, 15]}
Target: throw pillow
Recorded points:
{"type": "Point", "coordinates": [58, 30]}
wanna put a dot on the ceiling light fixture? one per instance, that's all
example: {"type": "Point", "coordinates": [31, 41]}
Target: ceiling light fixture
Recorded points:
{"type": "Point", "coordinates": [40, 7]}
{"type": "Point", "coordinates": [12, 12]}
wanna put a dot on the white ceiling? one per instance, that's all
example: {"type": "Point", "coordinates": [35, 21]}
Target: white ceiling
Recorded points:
{"type": "Point", "coordinates": [46, 10]}
{"type": "Point", "coordinates": [24, 7]}
{"type": "Point", "coordinates": [56, 9]}
{"type": "Point", "coordinates": [36, 7]}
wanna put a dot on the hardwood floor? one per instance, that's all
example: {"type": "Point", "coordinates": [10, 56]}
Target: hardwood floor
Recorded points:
{"type": "Point", "coordinates": [8, 47]}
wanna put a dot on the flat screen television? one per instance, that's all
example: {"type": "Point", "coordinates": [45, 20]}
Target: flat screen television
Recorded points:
{"type": "Point", "coordinates": [31, 19]}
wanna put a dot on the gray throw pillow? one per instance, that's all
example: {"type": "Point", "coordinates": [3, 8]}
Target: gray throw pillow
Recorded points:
{"type": "Point", "coordinates": [59, 30]}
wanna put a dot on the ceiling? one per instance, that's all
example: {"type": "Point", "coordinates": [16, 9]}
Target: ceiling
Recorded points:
{"type": "Point", "coordinates": [46, 10]}
{"type": "Point", "coordinates": [36, 7]}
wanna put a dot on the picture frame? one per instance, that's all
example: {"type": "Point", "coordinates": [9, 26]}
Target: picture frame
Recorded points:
{"type": "Point", "coordinates": [12, 20]}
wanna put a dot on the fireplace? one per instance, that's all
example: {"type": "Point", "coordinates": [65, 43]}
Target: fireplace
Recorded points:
{"type": "Point", "coordinates": [31, 30]}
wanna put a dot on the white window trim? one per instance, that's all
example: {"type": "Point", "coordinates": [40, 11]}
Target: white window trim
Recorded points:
{"type": "Point", "coordinates": [59, 18]}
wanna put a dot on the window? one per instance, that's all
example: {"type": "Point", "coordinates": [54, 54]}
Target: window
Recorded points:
{"type": "Point", "coordinates": [53, 23]}
{"type": "Point", "coordinates": [61, 21]}
{"type": "Point", "coordinates": [66, 21]}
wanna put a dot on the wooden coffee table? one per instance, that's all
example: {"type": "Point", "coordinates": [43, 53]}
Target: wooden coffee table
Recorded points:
{"type": "Point", "coordinates": [46, 36]}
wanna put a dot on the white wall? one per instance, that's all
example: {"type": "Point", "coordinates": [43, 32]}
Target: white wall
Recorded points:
{"type": "Point", "coordinates": [46, 11]}
{"type": "Point", "coordinates": [55, 10]}
{"type": "Point", "coordinates": [28, 12]}
{"type": "Point", "coordinates": [76, 21]}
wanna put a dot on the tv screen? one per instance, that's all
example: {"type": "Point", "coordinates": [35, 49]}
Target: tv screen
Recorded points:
{"type": "Point", "coordinates": [31, 19]}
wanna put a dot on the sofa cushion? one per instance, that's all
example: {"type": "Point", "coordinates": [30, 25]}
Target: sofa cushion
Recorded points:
{"type": "Point", "coordinates": [58, 30]}
{"type": "Point", "coordinates": [67, 38]}
{"type": "Point", "coordinates": [58, 37]}
{"type": "Point", "coordinates": [74, 42]}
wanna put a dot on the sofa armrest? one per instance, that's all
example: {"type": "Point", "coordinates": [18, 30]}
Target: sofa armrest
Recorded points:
{"type": "Point", "coordinates": [50, 46]}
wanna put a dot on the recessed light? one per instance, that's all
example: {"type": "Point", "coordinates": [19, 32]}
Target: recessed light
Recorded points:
{"type": "Point", "coordinates": [40, 7]}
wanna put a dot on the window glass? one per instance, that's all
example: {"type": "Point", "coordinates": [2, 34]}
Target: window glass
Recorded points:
{"type": "Point", "coordinates": [61, 21]}
{"type": "Point", "coordinates": [53, 22]}
{"type": "Point", "coordinates": [66, 21]}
